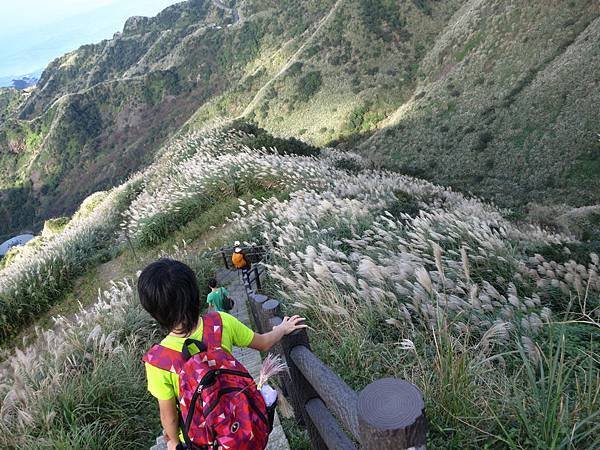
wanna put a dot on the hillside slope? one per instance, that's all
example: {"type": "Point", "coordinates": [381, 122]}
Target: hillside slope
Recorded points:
{"type": "Point", "coordinates": [497, 323]}
{"type": "Point", "coordinates": [88, 120]}
{"type": "Point", "coordinates": [498, 98]}
{"type": "Point", "coordinates": [100, 112]}
{"type": "Point", "coordinates": [506, 105]}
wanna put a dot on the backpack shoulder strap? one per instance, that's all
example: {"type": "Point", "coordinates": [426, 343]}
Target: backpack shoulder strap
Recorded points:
{"type": "Point", "coordinates": [164, 358]}
{"type": "Point", "coordinates": [212, 329]}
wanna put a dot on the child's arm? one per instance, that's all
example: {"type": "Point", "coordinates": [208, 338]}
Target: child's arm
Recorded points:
{"type": "Point", "coordinates": [263, 342]}
{"type": "Point", "coordinates": [170, 420]}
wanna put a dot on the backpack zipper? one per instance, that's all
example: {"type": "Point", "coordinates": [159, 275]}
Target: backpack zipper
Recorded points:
{"type": "Point", "coordinates": [225, 391]}
{"type": "Point", "coordinates": [222, 392]}
{"type": "Point", "coordinates": [201, 386]}
{"type": "Point", "coordinates": [256, 410]}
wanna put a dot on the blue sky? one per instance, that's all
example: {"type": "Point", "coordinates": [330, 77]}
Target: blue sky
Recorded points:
{"type": "Point", "coordinates": [34, 32]}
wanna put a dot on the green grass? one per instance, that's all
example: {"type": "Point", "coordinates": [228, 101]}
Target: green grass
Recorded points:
{"type": "Point", "coordinates": [546, 404]}
{"type": "Point", "coordinates": [470, 45]}
{"type": "Point", "coordinates": [167, 227]}
{"type": "Point", "coordinates": [106, 408]}
{"type": "Point", "coordinates": [297, 436]}
{"type": "Point", "coordinates": [586, 169]}
{"type": "Point", "coordinates": [82, 293]}
{"type": "Point", "coordinates": [103, 403]}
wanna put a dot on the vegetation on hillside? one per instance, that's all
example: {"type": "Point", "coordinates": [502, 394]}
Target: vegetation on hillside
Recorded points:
{"type": "Point", "coordinates": [496, 324]}
{"type": "Point", "coordinates": [502, 340]}
{"type": "Point", "coordinates": [81, 385]}
{"type": "Point", "coordinates": [505, 105]}
{"type": "Point", "coordinates": [491, 99]}
{"type": "Point", "coordinates": [100, 112]}
{"type": "Point", "coordinates": [38, 274]}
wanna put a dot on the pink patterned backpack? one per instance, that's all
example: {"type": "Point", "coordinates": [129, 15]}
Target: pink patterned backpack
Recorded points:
{"type": "Point", "coordinates": [220, 406]}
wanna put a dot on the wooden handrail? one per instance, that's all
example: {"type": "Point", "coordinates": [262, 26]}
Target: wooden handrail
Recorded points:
{"type": "Point", "coordinates": [330, 431]}
{"type": "Point", "coordinates": [337, 395]}
{"type": "Point", "coordinates": [388, 414]}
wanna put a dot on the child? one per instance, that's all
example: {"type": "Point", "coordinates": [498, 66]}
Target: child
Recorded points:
{"type": "Point", "coordinates": [216, 296]}
{"type": "Point", "coordinates": [168, 290]}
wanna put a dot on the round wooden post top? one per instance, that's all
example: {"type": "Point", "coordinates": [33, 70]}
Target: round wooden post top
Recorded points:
{"type": "Point", "coordinates": [390, 404]}
{"type": "Point", "coordinates": [270, 305]}
{"type": "Point", "coordinates": [259, 298]}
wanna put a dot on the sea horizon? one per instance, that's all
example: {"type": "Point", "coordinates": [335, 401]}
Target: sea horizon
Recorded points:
{"type": "Point", "coordinates": [27, 49]}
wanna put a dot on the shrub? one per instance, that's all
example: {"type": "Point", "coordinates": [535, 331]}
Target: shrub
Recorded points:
{"type": "Point", "coordinates": [54, 226]}
{"type": "Point", "coordinates": [308, 85]}
{"type": "Point", "coordinates": [404, 204]}
{"type": "Point", "coordinates": [295, 69]}
{"type": "Point", "coordinates": [349, 165]}
{"type": "Point", "coordinates": [260, 138]}
{"type": "Point", "coordinates": [483, 139]}
{"type": "Point", "coordinates": [39, 275]}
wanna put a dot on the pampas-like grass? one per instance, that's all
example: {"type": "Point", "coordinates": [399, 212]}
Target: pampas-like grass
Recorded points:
{"type": "Point", "coordinates": [455, 277]}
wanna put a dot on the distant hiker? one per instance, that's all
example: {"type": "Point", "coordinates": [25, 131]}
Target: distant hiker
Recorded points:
{"type": "Point", "coordinates": [218, 298]}
{"type": "Point", "coordinates": [240, 260]}
{"type": "Point", "coordinates": [192, 372]}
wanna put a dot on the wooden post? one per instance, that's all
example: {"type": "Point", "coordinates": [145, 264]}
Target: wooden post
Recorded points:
{"type": "Point", "coordinates": [253, 311]}
{"type": "Point", "coordinates": [272, 309]}
{"type": "Point", "coordinates": [246, 276]}
{"type": "Point", "coordinates": [249, 291]}
{"type": "Point", "coordinates": [340, 399]}
{"type": "Point", "coordinates": [301, 390]}
{"type": "Point", "coordinates": [224, 259]}
{"type": "Point", "coordinates": [257, 279]}
{"type": "Point", "coordinates": [131, 247]}
{"type": "Point", "coordinates": [391, 414]}
{"type": "Point", "coordinates": [330, 430]}
{"type": "Point", "coordinates": [258, 300]}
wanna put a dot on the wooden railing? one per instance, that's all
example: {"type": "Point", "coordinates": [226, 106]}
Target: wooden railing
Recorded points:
{"type": "Point", "coordinates": [388, 414]}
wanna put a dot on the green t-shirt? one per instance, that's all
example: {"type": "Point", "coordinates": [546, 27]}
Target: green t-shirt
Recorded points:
{"type": "Point", "coordinates": [164, 385]}
{"type": "Point", "coordinates": [215, 298]}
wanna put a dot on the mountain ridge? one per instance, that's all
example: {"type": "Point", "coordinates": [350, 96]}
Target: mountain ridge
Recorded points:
{"type": "Point", "coordinates": [450, 91]}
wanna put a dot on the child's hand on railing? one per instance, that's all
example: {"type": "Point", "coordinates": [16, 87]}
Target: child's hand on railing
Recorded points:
{"type": "Point", "coordinates": [291, 324]}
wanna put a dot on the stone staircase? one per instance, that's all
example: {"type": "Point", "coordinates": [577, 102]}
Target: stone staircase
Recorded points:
{"type": "Point", "coordinates": [249, 358]}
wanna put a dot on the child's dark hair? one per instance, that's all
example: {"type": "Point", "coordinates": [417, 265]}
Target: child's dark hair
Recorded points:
{"type": "Point", "coordinates": [212, 283]}
{"type": "Point", "coordinates": [168, 290]}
